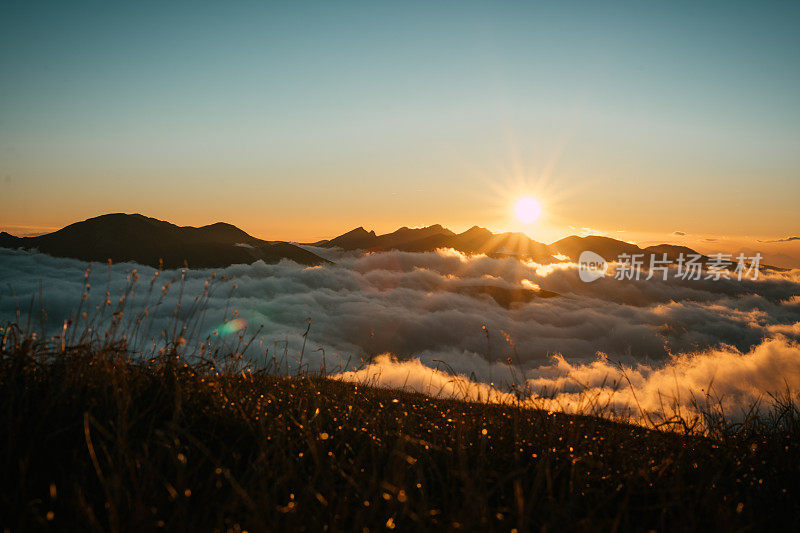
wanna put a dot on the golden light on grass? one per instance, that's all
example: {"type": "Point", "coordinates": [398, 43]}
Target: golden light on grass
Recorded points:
{"type": "Point", "coordinates": [527, 210]}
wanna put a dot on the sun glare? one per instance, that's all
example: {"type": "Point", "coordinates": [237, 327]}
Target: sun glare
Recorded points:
{"type": "Point", "coordinates": [528, 210]}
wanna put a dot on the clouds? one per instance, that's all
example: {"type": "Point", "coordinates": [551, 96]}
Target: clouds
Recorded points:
{"type": "Point", "coordinates": [422, 306]}
{"type": "Point", "coordinates": [787, 239]}
{"type": "Point", "coordinates": [722, 381]}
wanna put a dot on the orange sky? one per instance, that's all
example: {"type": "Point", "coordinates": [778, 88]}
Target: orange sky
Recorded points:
{"type": "Point", "coordinates": [630, 122]}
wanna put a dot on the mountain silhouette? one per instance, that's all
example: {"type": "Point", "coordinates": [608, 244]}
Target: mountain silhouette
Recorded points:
{"type": "Point", "coordinates": [504, 296]}
{"type": "Point", "coordinates": [480, 240]}
{"type": "Point", "coordinates": [356, 239]}
{"type": "Point", "coordinates": [406, 239]}
{"type": "Point", "coordinates": [122, 237]}
{"type": "Point", "coordinates": [673, 251]}
{"type": "Point", "coordinates": [427, 239]}
{"type": "Point", "coordinates": [607, 247]}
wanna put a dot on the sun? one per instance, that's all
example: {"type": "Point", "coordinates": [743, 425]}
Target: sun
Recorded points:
{"type": "Point", "coordinates": [528, 210]}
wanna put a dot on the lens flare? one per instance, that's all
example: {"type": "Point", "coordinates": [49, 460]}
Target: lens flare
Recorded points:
{"type": "Point", "coordinates": [232, 326]}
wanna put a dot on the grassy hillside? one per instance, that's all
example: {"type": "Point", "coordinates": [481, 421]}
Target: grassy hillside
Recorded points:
{"type": "Point", "coordinates": [95, 440]}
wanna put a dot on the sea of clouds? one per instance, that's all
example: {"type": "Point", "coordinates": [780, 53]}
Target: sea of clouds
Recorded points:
{"type": "Point", "coordinates": [403, 320]}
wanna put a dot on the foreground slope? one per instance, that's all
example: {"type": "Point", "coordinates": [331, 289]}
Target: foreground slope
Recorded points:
{"type": "Point", "coordinates": [97, 441]}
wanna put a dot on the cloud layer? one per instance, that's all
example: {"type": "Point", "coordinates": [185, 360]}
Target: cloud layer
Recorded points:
{"type": "Point", "coordinates": [429, 309]}
{"type": "Point", "coordinates": [723, 382]}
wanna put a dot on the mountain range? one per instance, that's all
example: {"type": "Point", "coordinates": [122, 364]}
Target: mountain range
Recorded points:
{"type": "Point", "coordinates": [148, 241]}
{"type": "Point", "coordinates": [481, 240]}
{"type": "Point", "coordinates": [123, 237]}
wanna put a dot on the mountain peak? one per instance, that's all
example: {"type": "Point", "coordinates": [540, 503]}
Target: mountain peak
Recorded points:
{"type": "Point", "coordinates": [354, 239]}
{"type": "Point", "coordinates": [425, 230]}
{"type": "Point", "coordinates": [477, 230]}
{"type": "Point", "coordinates": [357, 231]}
{"type": "Point", "coordinates": [438, 228]}
{"type": "Point", "coordinates": [122, 237]}
{"type": "Point", "coordinates": [219, 225]}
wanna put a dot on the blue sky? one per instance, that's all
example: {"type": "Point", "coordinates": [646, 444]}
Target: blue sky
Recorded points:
{"type": "Point", "coordinates": [300, 120]}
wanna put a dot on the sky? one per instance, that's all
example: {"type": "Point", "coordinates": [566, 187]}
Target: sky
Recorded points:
{"type": "Point", "coordinates": [302, 120]}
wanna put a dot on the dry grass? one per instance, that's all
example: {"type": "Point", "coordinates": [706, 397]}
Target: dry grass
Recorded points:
{"type": "Point", "coordinates": [97, 439]}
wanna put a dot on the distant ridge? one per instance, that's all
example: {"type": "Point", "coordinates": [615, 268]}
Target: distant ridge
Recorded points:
{"type": "Point", "coordinates": [481, 240]}
{"type": "Point", "coordinates": [149, 241]}
{"type": "Point", "coordinates": [122, 237]}
{"type": "Point", "coordinates": [352, 240]}
{"type": "Point", "coordinates": [401, 239]}
{"type": "Point", "coordinates": [474, 240]}
{"type": "Point", "coordinates": [607, 247]}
